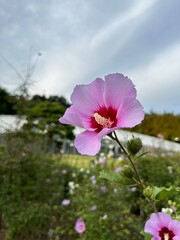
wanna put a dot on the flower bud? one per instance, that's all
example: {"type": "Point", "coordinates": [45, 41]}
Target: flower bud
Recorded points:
{"type": "Point", "coordinates": [147, 192]}
{"type": "Point", "coordinates": [134, 145]}
{"type": "Point", "coordinates": [127, 171]}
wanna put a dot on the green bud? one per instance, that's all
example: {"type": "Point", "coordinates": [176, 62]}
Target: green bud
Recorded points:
{"type": "Point", "coordinates": [127, 171]}
{"type": "Point", "coordinates": [147, 192]}
{"type": "Point", "coordinates": [134, 145]}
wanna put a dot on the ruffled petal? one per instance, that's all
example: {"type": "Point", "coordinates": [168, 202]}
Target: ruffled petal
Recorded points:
{"type": "Point", "coordinates": [176, 238]}
{"type": "Point", "coordinates": [88, 98]}
{"type": "Point", "coordinates": [174, 226]}
{"type": "Point", "coordinates": [130, 113]}
{"type": "Point", "coordinates": [117, 88]}
{"type": "Point", "coordinates": [71, 117]}
{"type": "Point", "coordinates": [87, 143]}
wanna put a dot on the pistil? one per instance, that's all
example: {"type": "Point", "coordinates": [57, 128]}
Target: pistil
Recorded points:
{"type": "Point", "coordinates": [104, 122]}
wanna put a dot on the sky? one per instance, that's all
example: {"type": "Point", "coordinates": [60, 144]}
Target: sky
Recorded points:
{"type": "Point", "coordinates": [80, 40]}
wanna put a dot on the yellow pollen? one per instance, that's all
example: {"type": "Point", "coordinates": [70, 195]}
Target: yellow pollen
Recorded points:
{"type": "Point", "coordinates": [166, 236]}
{"type": "Point", "coordinates": [102, 120]}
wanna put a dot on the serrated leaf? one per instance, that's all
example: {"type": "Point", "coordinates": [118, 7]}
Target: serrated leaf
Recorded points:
{"type": "Point", "coordinates": [114, 177]}
{"type": "Point", "coordinates": [161, 192]}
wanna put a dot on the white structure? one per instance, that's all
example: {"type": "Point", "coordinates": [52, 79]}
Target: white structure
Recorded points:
{"type": "Point", "coordinates": [148, 141]}
{"type": "Point", "coordinates": [11, 123]}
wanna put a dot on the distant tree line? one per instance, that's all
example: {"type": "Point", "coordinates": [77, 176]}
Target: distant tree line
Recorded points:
{"type": "Point", "coordinates": [165, 126]}
{"type": "Point", "coordinates": [43, 113]}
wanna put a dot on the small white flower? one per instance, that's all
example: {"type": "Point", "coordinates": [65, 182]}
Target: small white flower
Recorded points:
{"type": "Point", "coordinates": [50, 232]}
{"type": "Point", "coordinates": [167, 210]}
{"type": "Point", "coordinates": [71, 184]}
{"type": "Point", "coordinates": [115, 190]}
{"type": "Point", "coordinates": [104, 217]}
{"type": "Point", "coordinates": [71, 191]}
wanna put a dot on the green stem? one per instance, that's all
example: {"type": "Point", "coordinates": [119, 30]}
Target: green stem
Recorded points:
{"type": "Point", "coordinates": [115, 138]}
{"type": "Point", "coordinates": [129, 158]}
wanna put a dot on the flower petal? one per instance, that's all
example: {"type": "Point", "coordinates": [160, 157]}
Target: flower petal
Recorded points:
{"type": "Point", "coordinates": [174, 226]}
{"type": "Point", "coordinates": [156, 222]}
{"type": "Point", "coordinates": [176, 238]}
{"type": "Point", "coordinates": [130, 113]}
{"type": "Point", "coordinates": [87, 143]}
{"type": "Point", "coordinates": [88, 98]}
{"type": "Point", "coordinates": [71, 117]}
{"type": "Point", "coordinates": [117, 87]}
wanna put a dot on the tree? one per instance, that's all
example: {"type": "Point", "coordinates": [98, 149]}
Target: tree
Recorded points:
{"type": "Point", "coordinates": [7, 102]}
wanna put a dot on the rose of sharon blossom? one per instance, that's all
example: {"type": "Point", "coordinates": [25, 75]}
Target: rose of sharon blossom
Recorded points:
{"type": "Point", "coordinates": [162, 227]}
{"type": "Point", "coordinates": [80, 226]}
{"type": "Point", "coordinates": [100, 108]}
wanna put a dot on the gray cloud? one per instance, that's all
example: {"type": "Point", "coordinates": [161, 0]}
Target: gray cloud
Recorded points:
{"type": "Point", "coordinates": [81, 40]}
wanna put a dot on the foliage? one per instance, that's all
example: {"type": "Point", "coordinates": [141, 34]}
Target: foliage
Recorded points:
{"type": "Point", "coordinates": [34, 184]}
{"type": "Point", "coordinates": [165, 125]}
{"type": "Point", "coordinates": [43, 117]}
{"type": "Point", "coordinates": [7, 102]}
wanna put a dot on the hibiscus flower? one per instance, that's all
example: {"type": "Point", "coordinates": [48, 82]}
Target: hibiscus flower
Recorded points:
{"type": "Point", "coordinates": [162, 227]}
{"type": "Point", "coordinates": [100, 108]}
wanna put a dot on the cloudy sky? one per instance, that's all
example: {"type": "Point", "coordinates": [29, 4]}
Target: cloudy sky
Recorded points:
{"type": "Point", "coordinates": [81, 40]}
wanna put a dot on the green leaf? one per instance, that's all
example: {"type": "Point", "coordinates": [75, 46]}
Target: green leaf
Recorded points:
{"type": "Point", "coordinates": [160, 193]}
{"type": "Point", "coordinates": [146, 235]}
{"type": "Point", "coordinates": [114, 177]}
{"type": "Point", "coordinates": [143, 154]}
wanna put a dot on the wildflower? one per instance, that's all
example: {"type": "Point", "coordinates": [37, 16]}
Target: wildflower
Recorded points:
{"type": "Point", "coordinates": [104, 217]}
{"type": "Point", "coordinates": [100, 108]}
{"type": "Point", "coordinates": [170, 169]}
{"type": "Point", "coordinates": [167, 210]}
{"type": "Point", "coordinates": [93, 208]}
{"type": "Point", "coordinates": [50, 232]}
{"type": "Point", "coordinates": [93, 179]}
{"type": "Point", "coordinates": [162, 227]}
{"type": "Point", "coordinates": [117, 169]}
{"type": "Point", "coordinates": [80, 226]}
{"type": "Point", "coordinates": [103, 189]}
{"type": "Point", "coordinates": [64, 171]}
{"type": "Point", "coordinates": [71, 185]}
{"type": "Point", "coordinates": [65, 202]}
{"type": "Point", "coordinates": [102, 160]}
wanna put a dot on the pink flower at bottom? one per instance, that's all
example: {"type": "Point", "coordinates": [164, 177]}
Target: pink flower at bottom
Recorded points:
{"type": "Point", "coordinates": [162, 227]}
{"type": "Point", "coordinates": [80, 226]}
{"type": "Point", "coordinates": [100, 108]}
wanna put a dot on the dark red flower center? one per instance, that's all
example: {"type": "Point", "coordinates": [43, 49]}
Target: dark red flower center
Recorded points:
{"type": "Point", "coordinates": [166, 234]}
{"type": "Point", "coordinates": [104, 118]}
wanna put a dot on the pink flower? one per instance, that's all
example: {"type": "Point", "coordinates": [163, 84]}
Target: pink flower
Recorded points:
{"type": "Point", "coordinates": [100, 108]}
{"type": "Point", "coordinates": [162, 227]}
{"type": "Point", "coordinates": [65, 202]}
{"type": "Point", "coordinates": [80, 226]}
{"type": "Point", "coordinates": [102, 160]}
